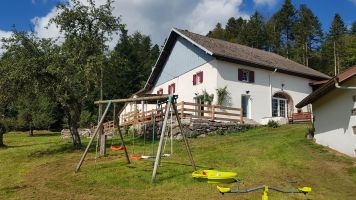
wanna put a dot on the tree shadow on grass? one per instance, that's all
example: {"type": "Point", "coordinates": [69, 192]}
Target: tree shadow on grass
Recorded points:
{"type": "Point", "coordinates": [46, 134]}
{"type": "Point", "coordinates": [59, 149]}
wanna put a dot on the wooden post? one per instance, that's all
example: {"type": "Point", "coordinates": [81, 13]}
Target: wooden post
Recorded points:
{"type": "Point", "coordinates": [159, 151]}
{"type": "Point", "coordinates": [184, 137]}
{"type": "Point", "coordinates": [182, 110]}
{"type": "Point", "coordinates": [212, 112]}
{"type": "Point", "coordinates": [92, 138]}
{"type": "Point", "coordinates": [123, 144]}
{"type": "Point", "coordinates": [241, 115]}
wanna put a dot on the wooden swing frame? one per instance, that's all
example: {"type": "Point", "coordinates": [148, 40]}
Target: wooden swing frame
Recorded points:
{"type": "Point", "coordinates": [170, 101]}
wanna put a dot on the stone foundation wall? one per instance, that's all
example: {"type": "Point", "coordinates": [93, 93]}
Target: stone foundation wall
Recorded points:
{"type": "Point", "coordinates": [195, 128]}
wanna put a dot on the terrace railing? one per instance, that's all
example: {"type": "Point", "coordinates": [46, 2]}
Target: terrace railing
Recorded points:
{"type": "Point", "coordinates": [186, 110]}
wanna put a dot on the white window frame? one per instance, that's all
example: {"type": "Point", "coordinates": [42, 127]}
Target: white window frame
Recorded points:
{"type": "Point", "coordinates": [279, 107]}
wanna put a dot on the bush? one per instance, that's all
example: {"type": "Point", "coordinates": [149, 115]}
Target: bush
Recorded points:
{"type": "Point", "coordinates": [272, 124]}
{"type": "Point", "coordinates": [310, 132]}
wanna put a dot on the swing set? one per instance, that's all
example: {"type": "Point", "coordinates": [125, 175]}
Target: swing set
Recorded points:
{"type": "Point", "coordinates": [170, 104]}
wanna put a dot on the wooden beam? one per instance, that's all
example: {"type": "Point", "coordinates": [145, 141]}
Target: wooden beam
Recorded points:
{"type": "Point", "coordinates": [138, 99]}
{"type": "Point", "coordinates": [92, 138]}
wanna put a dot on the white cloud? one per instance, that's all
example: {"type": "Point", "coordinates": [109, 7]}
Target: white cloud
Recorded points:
{"type": "Point", "coordinates": [43, 29]}
{"type": "Point", "coordinates": [157, 17]}
{"type": "Point", "coordinates": [353, 1]}
{"type": "Point", "coordinates": [3, 34]}
{"type": "Point", "coordinates": [269, 3]}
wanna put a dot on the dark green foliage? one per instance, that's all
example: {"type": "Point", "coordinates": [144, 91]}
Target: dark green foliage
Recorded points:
{"type": "Point", "coordinates": [272, 124]}
{"type": "Point", "coordinates": [218, 32]}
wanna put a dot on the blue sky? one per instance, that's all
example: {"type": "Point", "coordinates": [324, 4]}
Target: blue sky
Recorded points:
{"type": "Point", "coordinates": [157, 17]}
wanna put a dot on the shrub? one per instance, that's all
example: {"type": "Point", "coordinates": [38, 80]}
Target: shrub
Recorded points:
{"type": "Point", "coordinates": [272, 124]}
{"type": "Point", "coordinates": [310, 132]}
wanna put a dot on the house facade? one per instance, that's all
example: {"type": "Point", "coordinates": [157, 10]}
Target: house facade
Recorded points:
{"type": "Point", "coordinates": [264, 84]}
{"type": "Point", "coordinates": [334, 110]}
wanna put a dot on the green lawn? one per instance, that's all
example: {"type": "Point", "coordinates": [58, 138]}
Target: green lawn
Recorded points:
{"type": "Point", "coordinates": [42, 167]}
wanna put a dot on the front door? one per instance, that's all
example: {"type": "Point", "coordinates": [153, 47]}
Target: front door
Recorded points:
{"type": "Point", "coordinates": [279, 107]}
{"type": "Point", "coordinates": [245, 105]}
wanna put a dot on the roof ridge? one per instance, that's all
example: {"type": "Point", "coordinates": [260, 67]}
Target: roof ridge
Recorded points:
{"type": "Point", "coordinates": [262, 54]}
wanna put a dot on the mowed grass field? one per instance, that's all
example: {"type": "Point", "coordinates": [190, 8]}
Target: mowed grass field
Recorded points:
{"type": "Point", "coordinates": [42, 167]}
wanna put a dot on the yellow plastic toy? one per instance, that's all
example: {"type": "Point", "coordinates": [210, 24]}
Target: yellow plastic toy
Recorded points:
{"type": "Point", "coordinates": [214, 176]}
{"type": "Point", "coordinates": [266, 189]}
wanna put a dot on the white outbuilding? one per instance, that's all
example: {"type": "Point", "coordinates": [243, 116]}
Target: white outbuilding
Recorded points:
{"type": "Point", "coordinates": [334, 110]}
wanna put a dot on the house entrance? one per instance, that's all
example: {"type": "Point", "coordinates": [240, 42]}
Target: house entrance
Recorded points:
{"type": "Point", "coordinates": [245, 105]}
{"type": "Point", "coordinates": [282, 105]}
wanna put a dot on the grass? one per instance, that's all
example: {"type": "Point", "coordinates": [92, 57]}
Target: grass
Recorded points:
{"type": "Point", "coordinates": [42, 167]}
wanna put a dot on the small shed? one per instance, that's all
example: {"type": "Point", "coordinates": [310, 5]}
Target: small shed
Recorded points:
{"type": "Point", "coordinates": [334, 110]}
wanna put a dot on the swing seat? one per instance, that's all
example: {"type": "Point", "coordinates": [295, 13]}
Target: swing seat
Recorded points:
{"type": "Point", "coordinates": [136, 157]}
{"type": "Point", "coordinates": [214, 176]}
{"type": "Point", "coordinates": [118, 148]}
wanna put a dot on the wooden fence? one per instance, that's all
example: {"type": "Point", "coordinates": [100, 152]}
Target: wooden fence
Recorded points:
{"type": "Point", "coordinates": [186, 110]}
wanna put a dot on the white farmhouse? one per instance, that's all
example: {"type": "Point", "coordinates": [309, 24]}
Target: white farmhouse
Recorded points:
{"type": "Point", "coordinates": [334, 109]}
{"type": "Point", "coordinates": [264, 84]}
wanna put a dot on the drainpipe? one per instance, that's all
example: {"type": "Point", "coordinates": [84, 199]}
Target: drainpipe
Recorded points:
{"type": "Point", "coordinates": [343, 87]}
{"type": "Point", "coordinates": [270, 89]}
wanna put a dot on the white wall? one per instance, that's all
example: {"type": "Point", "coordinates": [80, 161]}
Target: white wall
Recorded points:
{"type": "Point", "coordinates": [184, 87]}
{"type": "Point", "coordinates": [297, 87]}
{"type": "Point", "coordinates": [333, 120]}
{"type": "Point", "coordinates": [218, 74]}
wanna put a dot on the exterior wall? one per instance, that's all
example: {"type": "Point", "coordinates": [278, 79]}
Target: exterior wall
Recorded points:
{"type": "Point", "coordinates": [183, 58]}
{"type": "Point", "coordinates": [185, 89]}
{"type": "Point", "coordinates": [334, 122]}
{"type": "Point", "coordinates": [259, 91]}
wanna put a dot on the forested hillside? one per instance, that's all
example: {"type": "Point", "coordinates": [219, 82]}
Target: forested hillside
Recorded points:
{"type": "Point", "coordinates": [295, 33]}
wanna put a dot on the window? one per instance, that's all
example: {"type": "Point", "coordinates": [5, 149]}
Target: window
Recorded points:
{"type": "Point", "coordinates": [279, 107]}
{"type": "Point", "coordinates": [246, 76]}
{"type": "Point", "coordinates": [198, 78]}
{"type": "Point", "coordinates": [160, 91]}
{"type": "Point", "coordinates": [171, 88]}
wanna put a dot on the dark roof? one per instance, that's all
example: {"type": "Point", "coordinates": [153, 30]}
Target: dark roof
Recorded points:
{"type": "Point", "coordinates": [328, 86]}
{"type": "Point", "coordinates": [236, 53]}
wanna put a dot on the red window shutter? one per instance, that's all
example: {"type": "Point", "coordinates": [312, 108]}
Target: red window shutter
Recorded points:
{"type": "Point", "coordinates": [158, 92]}
{"type": "Point", "coordinates": [194, 79]}
{"type": "Point", "coordinates": [169, 89]}
{"type": "Point", "coordinates": [201, 76]}
{"type": "Point", "coordinates": [240, 75]}
{"type": "Point", "coordinates": [174, 88]}
{"type": "Point", "coordinates": [251, 77]}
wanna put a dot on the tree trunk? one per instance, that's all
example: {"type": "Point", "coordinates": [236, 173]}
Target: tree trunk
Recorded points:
{"type": "Point", "coordinates": [335, 58]}
{"type": "Point", "coordinates": [30, 131]}
{"type": "Point", "coordinates": [73, 115]}
{"type": "Point", "coordinates": [1, 139]}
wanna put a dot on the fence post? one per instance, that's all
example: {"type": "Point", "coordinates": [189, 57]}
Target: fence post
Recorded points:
{"type": "Point", "coordinates": [241, 115]}
{"type": "Point", "coordinates": [212, 112]}
{"type": "Point", "coordinates": [182, 110]}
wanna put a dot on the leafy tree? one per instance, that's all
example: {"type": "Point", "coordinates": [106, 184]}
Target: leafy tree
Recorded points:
{"type": "Point", "coordinates": [77, 66]}
{"type": "Point", "coordinates": [334, 45]}
{"type": "Point", "coordinates": [285, 20]}
{"type": "Point", "coordinates": [234, 30]}
{"type": "Point", "coordinates": [218, 32]}
{"type": "Point", "coordinates": [35, 112]}
{"type": "Point", "coordinates": [308, 33]}
{"type": "Point", "coordinates": [3, 130]}
{"type": "Point", "coordinates": [353, 28]}
{"type": "Point", "coordinates": [130, 65]}
{"type": "Point", "coordinates": [349, 57]}
{"type": "Point", "coordinates": [255, 32]}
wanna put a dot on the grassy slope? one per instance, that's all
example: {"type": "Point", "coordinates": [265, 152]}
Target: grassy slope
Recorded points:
{"type": "Point", "coordinates": [42, 167]}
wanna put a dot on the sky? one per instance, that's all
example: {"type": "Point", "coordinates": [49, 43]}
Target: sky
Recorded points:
{"type": "Point", "coordinates": [157, 17]}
